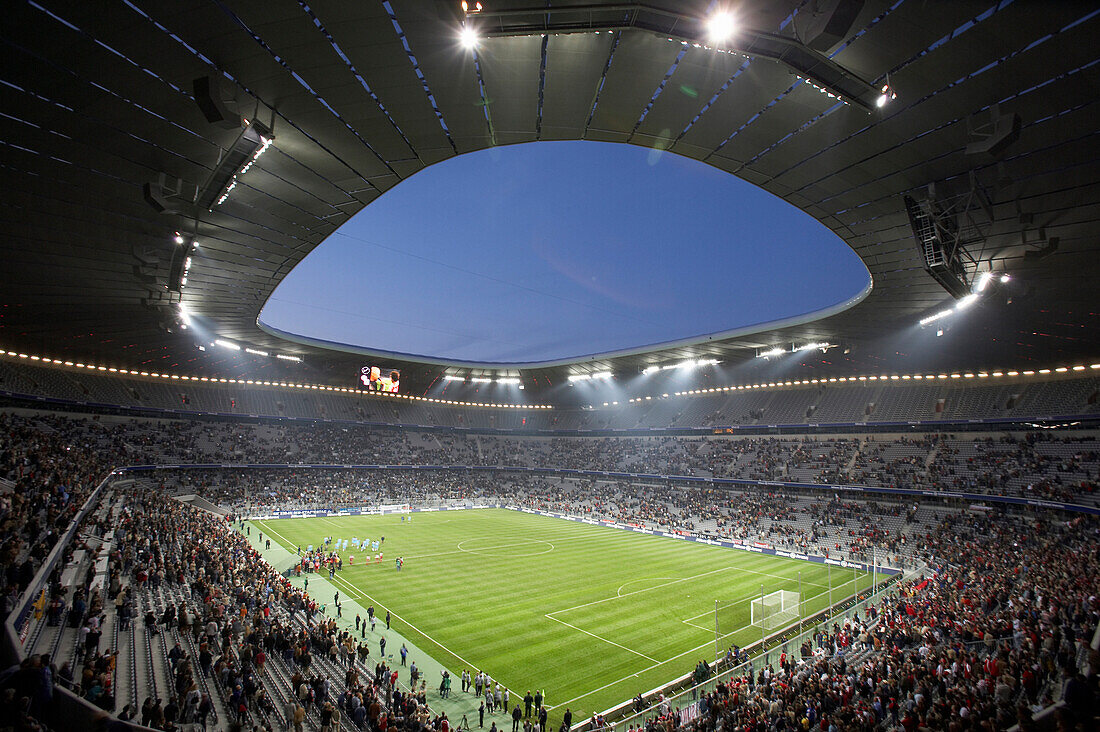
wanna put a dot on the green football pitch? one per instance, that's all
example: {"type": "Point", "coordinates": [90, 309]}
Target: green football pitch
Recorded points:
{"type": "Point", "coordinates": [592, 614]}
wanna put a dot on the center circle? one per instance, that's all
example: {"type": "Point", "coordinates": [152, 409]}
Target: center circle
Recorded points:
{"type": "Point", "coordinates": [510, 549]}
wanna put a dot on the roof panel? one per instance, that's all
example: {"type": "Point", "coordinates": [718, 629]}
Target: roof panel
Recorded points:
{"type": "Point", "coordinates": [92, 214]}
{"type": "Point", "coordinates": [510, 69]}
{"type": "Point", "coordinates": [698, 77]}
{"type": "Point", "coordinates": [574, 67]}
{"type": "Point", "coordinates": [639, 65]}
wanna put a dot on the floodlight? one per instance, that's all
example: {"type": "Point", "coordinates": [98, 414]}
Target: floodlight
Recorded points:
{"type": "Point", "coordinates": [602, 375]}
{"type": "Point", "coordinates": [773, 352]}
{"type": "Point", "coordinates": [227, 344]}
{"type": "Point", "coordinates": [481, 379]}
{"type": "Point", "coordinates": [468, 37]}
{"type": "Point", "coordinates": [252, 142]}
{"type": "Point", "coordinates": [284, 357]}
{"type": "Point", "coordinates": [983, 281]}
{"type": "Point", "coordinates": [888, 95]}
{"type": "Point", "coordinates": [579, 377]}
{"type": "Point", "coordinates": [720, 27]}
{"type": "Point", "coordinates": [508, 381]}
{"type": "Point", "coordinates": [937, 316]}
{"type": "Point", "coordinates": [256, 352]}
{"type": "Point", "coordinates": [651, 369]}
{"type": "Point", "coordinates": [1005, 278]}
{"type": "Point", "coordinates": [451, 377]}
{"type": "Point", "coordinates": [966, 302]}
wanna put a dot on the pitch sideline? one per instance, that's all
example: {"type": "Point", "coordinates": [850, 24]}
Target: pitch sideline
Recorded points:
{"type": "Point", "coordinates": [359, 594]}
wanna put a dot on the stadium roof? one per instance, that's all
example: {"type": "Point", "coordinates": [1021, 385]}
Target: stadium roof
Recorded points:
{"type": "Point", "coordinates": [107, 155]}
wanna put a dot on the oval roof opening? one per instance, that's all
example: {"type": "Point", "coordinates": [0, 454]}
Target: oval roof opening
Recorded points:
{"type": "Point", "coordinates": [555, 251]}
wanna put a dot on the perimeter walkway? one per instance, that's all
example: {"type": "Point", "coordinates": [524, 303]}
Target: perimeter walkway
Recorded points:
{"type": "Point", "coordinates": [354, 602]}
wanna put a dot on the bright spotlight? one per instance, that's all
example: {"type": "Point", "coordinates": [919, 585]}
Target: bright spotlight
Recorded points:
{"type": "Point", "coordinates": [966, 302]}
{"type": "Point", "coordinates": [468, 37]}
{"type": "Point", "coordinates": [1005, 278]}
{"type": "Point", "coordinates": [720, 27]}
{"type": "Point", "coordinates": [983, 281]}
{"type": "Point", "coordinates": [772, 352]}
{"type": "Point", "coordinates": [938, 316]}
{"type": "Point", "coordinates": [888, 94]}
{"type": "Point", "coordinates": [651, 370]}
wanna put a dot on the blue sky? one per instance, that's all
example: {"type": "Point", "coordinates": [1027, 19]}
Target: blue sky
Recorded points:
{"type": "Point", "coordinates": [558, 250]}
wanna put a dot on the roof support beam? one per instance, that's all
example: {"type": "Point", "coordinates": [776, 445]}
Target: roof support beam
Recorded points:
{"type": "Point", "coordinates": [799, 58]}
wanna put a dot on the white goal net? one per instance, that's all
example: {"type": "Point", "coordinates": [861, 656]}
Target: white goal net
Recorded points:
{"type": "Point", "coordinates": [775, 610]}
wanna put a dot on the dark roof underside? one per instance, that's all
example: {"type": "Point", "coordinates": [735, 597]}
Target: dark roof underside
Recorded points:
{"type": "Point", "coordinates": [97, 101]}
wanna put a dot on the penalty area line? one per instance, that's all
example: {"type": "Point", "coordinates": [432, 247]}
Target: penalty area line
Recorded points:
{"type": "Point", "coordinates": [658, 664]}
{"type": "Point", "coordinates": [601, 638]}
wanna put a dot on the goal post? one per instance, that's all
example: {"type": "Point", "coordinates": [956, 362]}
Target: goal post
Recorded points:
{"type": "Point", "coordinates": [775, 610]}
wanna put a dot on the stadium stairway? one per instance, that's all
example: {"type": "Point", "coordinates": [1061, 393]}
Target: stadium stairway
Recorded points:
{"type": "Point", "coordinates": [353, 602]}
{"type": "Point", "coordinates": [178, 595]}
{"type": "Point", "coordinates": [60, 641]}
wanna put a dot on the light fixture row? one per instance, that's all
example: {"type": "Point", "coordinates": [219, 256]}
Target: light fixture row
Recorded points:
{"type": "Point", "coordinates": [863, 379]}
{"type": "Point", "coordinates": [504, 380]}
{"type": "Point", "coordinates": [253, 382]}
{"type": "Point", "coordinates": [265, 144]}
{"type": "Point", "coordinates": [455, 402]}
{"type": "Point", "coordinates": [779, 351]}
{"type": "Point", "coordinates": [231, 346]}
{"type": "Point", "coordinates": [966, 301]}
{"type": "Point", "coordinates": [688, 364]}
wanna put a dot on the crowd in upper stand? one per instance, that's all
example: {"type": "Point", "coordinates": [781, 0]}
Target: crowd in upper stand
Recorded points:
{"type": "Point", "coordinates": [1003, 625]}
{"type": "Point", "coordinates": [819, 523]}
{"type": "Point", "coordinates": [1037, 464]}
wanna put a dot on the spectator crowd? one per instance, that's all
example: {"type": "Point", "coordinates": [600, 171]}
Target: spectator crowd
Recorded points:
{"type": "Point", "coordinates": [1001, 627]}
